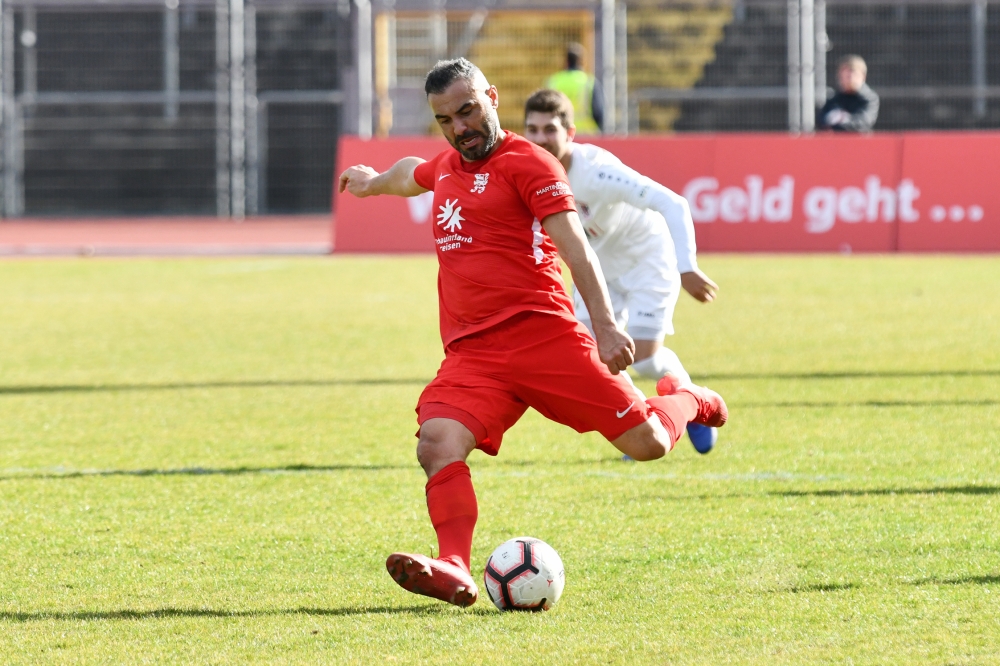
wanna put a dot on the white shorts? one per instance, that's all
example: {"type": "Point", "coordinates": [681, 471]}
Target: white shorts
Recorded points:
{"type": "Point", "coordinates": [643, 299]}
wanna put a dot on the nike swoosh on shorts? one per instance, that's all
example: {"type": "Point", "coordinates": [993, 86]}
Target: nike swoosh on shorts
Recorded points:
{"type": "Point", "coordinates": [627, 410]}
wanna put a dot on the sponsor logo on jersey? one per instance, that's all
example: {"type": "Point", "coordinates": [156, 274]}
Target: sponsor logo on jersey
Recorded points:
{"type": "Point", "coordinates": [480, 185]}
{"type": "Point", "coordinates": [557, 189]}
{"type": "Point", "coordinates": [443, 176]}
{"type": "Point", "coordinates": [450, 216]}
{"type": "Point", "coordinates": [452, 242]}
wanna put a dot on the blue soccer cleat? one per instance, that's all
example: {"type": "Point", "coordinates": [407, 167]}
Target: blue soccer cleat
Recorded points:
{"type": "Point", "coordinates": [702, 437]}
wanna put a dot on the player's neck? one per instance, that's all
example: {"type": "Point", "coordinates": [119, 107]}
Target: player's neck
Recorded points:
{"type": "Point", "coordinates": [567, 158]}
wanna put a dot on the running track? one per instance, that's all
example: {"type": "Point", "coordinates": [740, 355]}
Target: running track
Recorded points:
{"type": "Point", "coordinates": [163, 236]}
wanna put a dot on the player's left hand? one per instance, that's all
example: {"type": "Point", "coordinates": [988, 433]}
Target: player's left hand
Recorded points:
{"type": "Point", "coordinates": [615, 349]}
{"type": "Point", "coordinates": [699, 285]}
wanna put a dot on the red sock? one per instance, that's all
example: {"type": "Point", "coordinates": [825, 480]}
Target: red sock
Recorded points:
{"type": "Point", "coordinates": [674, 412]}
{"type": "Point", "coordinates": [451, 501]}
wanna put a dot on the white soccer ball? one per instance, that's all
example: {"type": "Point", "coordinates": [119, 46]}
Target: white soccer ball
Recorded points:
{"type": "Point", "coordinates": [524, 574]}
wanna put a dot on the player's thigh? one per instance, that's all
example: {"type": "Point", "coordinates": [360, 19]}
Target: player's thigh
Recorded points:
{"type": "Point", "coordinates": [563, 378]}
{"type": "Point", "coordinates": [653, 289]}
{"type": "Point", "coordinates": [470, 388]}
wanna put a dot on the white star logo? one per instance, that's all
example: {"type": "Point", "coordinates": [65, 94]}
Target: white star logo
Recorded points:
{"type": "Point", "coordinates": [450, 214]}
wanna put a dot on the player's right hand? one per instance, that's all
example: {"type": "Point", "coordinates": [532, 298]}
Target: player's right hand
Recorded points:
{"type": "Point", "coordinates": [699, 285]}
{"type": "Point", "coordinates": [615, 348]}
{"type": "Point", "coordinates": [356, 179]}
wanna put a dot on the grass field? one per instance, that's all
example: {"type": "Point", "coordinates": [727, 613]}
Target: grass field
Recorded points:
{"type": "Point", "coordinates": [207, 461]}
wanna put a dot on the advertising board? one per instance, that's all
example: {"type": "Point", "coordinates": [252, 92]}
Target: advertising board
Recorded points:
{"type": "Point", "coordinates": [910, 192]}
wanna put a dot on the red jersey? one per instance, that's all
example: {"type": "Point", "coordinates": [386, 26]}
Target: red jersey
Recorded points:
{"type": "Point", "coordinates": [495, 260]}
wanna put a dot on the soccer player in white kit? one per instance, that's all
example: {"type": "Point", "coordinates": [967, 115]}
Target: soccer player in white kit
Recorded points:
{"type": "Point", "coordinates": [643, 236]}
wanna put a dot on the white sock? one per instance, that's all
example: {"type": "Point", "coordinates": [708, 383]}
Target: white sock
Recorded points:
{"type": "Point", "coordinates": [628, 378]}
{"type": "Point", "coordinates": [662, 362]}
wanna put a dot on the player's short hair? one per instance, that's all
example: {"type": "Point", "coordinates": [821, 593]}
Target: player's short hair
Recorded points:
{"type": "Point", "coordinates": [446, 72]}
{"type": "Point", "coordinates": [854, 62]}
{"type": "Point", "coordinates": [550, 101]}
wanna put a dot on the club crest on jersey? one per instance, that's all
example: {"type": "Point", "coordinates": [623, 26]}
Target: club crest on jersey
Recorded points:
{"type": "Point", "coordinates": [480, 185]}
{"type": "Point", "coordinates": [450, 216]}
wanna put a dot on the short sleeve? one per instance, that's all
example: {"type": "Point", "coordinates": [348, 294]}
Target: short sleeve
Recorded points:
{"type": "Point", "coordinates": [543, 184]}
{"type": "Point", "coordinates": [424, 173]}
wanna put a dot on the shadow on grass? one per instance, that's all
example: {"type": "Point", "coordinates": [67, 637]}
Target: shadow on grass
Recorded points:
{"type": "Point", "coordinates": [168, 613]}
{"type": "Point", "coordinates": [859, 374]}
{"type": "Point", "coordinates": [30, 389]}
{"type": "Point", "coordinates": [823, 587]}
{"type": "Point", "coordinates": [729, 495]}
{"type": "Point", "coordinates": [181, 386]}
{"type": "Point", "coordinates": [960, 580]}
{"type": "Point", "coordinates": [942, 490]}
{"type": "Point", "coordinates": [237, 471]}
{"type": "Point", "coordinates": [206, 471]}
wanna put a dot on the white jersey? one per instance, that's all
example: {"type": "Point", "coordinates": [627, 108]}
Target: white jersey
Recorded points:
{"type": "Point", "coordinates": [627, 215]}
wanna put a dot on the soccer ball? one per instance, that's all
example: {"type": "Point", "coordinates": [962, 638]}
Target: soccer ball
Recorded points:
{"type": "Point", "coordinates": [524, 574]}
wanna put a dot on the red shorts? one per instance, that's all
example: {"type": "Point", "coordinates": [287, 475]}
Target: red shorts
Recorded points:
{"type": "Point", "coordinates": [534, 359]}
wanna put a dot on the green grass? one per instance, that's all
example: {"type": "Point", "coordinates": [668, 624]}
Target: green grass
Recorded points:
{"type": "Point", "coordinates": [207, 461]}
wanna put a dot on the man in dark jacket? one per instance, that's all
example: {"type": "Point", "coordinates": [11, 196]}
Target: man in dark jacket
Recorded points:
{"type": "Point", "coordinates": [855, 107]}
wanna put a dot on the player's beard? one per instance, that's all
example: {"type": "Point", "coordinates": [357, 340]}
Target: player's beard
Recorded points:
{"type": "Point", "coordinates": [490, 135]}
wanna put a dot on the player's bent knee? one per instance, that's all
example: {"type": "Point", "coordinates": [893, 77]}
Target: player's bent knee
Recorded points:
{"type": "Point", "coordinates": [442, 442]}
{"type": "Point", "coordinates": [646, 441]}
{"type": "Point", "coordinates": [651, 450]}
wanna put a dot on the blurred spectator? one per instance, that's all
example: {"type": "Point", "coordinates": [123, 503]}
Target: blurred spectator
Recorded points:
{"type": "Point", "coordinates": [855, 106]}
{"type": "Point", "coordinates": [582, 89]}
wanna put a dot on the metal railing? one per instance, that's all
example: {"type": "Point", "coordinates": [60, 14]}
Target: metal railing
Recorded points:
{"type": "Point", "coordinates": [232, 108]}
{"type": "Point", "coordinates": [933, 56]}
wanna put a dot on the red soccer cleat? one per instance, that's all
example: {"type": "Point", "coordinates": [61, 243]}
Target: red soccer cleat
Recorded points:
{"type": "Point", "coordinates": [712, 410]}
{"type": "Point", "coordinates": [439, 579]}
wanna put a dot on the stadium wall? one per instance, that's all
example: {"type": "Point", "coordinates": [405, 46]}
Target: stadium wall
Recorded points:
{"type": "Point", "coordinates": [906, 192]}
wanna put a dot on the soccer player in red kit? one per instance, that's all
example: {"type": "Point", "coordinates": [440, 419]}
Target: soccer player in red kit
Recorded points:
{"type": "Point", "coordinates": [505, 216]}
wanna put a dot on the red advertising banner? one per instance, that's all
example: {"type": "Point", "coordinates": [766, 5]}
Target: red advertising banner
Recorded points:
{"type": "Point", "coordinates": [959, 179]}
{"type": "Point", "coordinates": [875, 193]}
{"type": "Point", "coordinates": [383, 223]}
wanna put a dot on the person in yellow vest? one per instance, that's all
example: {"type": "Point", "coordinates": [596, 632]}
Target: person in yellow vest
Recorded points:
{"type": "Point", "coordinates": [582, 89]}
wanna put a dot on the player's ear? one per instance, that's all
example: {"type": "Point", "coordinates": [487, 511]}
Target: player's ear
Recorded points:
{"type": "Point", "coordinates": [494, 96]}
{"type": "Point", "coordinates": [571, 132]}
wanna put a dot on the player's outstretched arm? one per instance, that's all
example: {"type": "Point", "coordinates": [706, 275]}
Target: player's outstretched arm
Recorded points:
{"type": "Point", "coordinates": [615, 347]}
{"type": "Point", "coordinates": [675, 210]}
{"type": "Point", "coordinates": [640, 191]}
{"type": "Point", "coordinates": [364, 181]}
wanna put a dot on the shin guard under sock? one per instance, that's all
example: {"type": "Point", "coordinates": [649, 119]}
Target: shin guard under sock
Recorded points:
{"type": "Point", "coordinates": [451, 503]}
{"type": "Point", "coordinates": [674, 412]}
